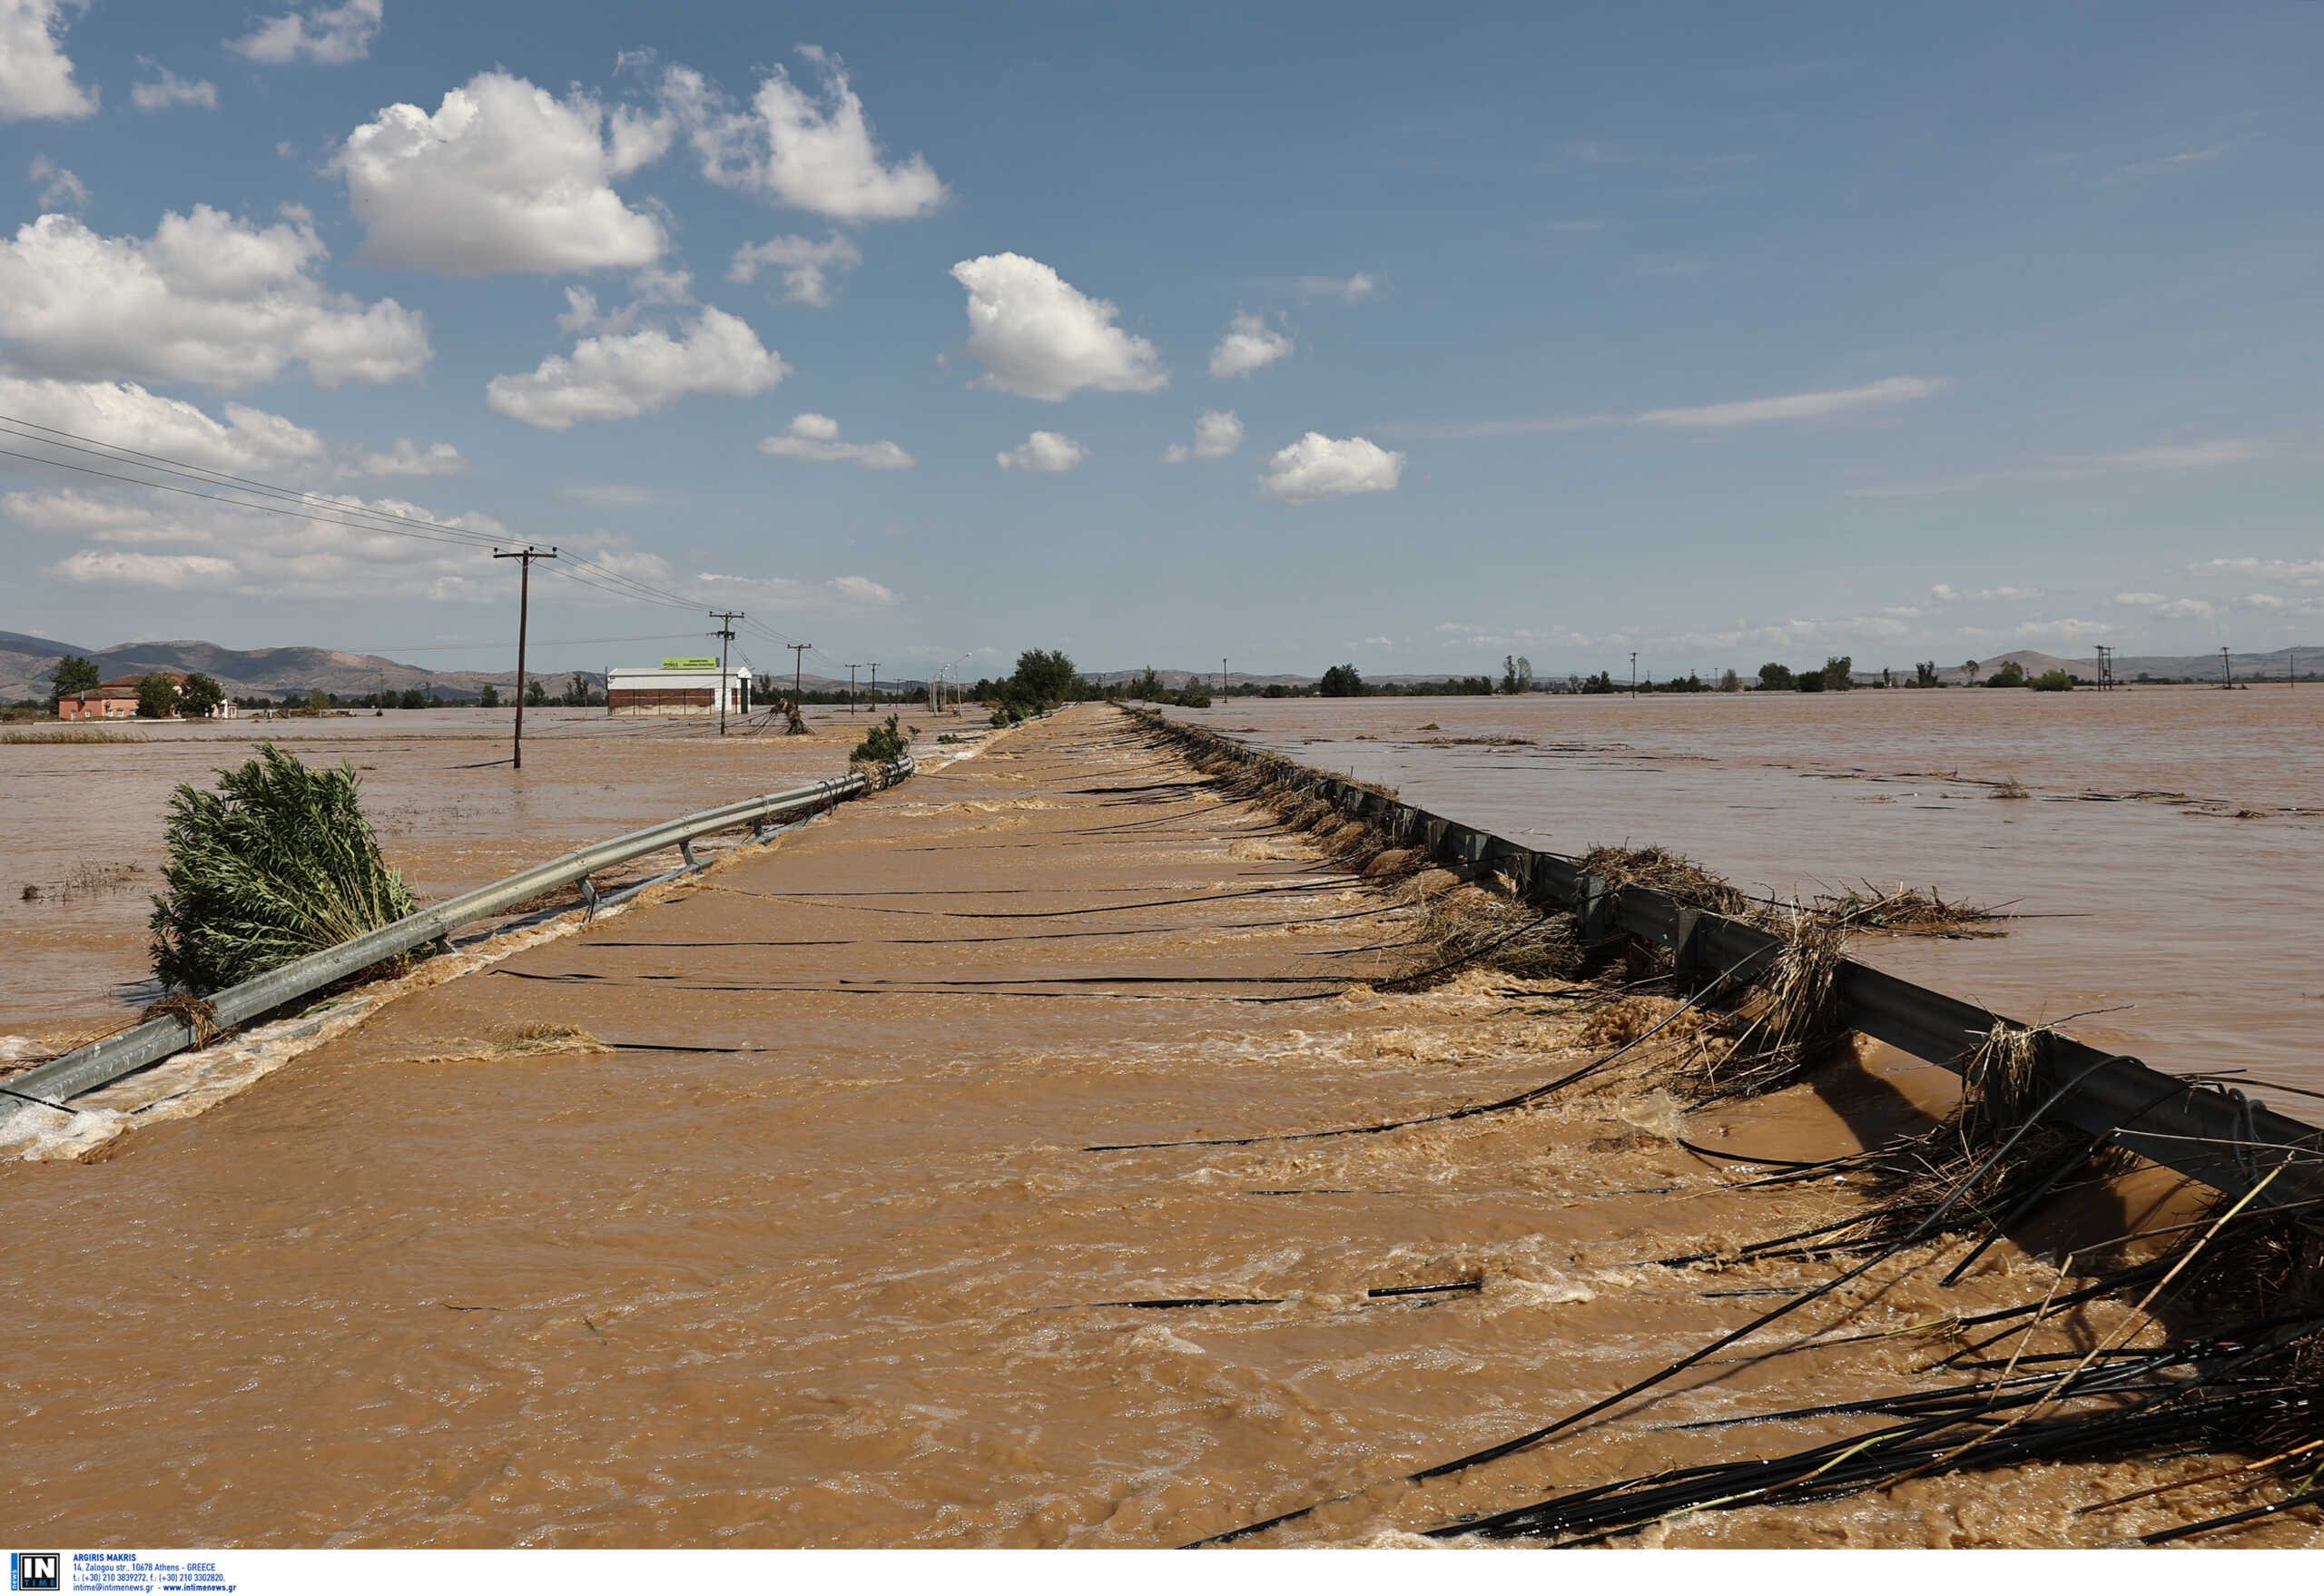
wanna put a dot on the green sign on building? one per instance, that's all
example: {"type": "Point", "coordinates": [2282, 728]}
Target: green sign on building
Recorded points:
{"type": "Point", "coordinates": [691, 663]}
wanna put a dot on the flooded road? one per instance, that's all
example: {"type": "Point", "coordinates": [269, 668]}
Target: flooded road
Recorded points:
{"type": "Point", "coordinates": [84, 849]}
{"type": "Point", "coordinates": [2166, 852]}
{"type": "Point", "coordinates": [793, 1211]}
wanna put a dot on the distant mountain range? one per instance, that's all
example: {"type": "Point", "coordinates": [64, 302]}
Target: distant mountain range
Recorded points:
{"type": "Point", "coordinates": [27, 662]}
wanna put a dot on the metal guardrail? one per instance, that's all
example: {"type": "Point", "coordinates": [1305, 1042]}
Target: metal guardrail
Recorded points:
{"type": "Point", "coordinates": [126, 1053]}
{"type": "Point", "coordinates": [2209, 1133]}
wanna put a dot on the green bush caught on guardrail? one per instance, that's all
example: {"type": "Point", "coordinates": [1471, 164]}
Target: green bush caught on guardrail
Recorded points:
{"type": "Point", "coordinates": [277, 864]}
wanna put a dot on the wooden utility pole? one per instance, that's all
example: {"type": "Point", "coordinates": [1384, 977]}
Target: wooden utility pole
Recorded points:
{"type": "Point", "coordinates": [2226, 669]}
{"type": "Point", "coordinates": [1633, 673]}
{"type": "Point", "coordinates": [725, 635]}
{"type": "Point", "coordinates": [798, 669]}
{"type": "Point", "coordinates": [525, 557]}
{"type": "Point", "coordinates": [875, 686]}
{"type": "Point", "coordinates": [851, 687]}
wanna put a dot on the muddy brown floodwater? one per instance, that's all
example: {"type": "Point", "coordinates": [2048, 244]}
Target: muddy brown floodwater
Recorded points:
{"type": "Point", "coordinates": [2167, 849]}
{"type": "Point", "coordinates": [83, 852]}
{"type": "Point", "coordinates": [810, 1246]}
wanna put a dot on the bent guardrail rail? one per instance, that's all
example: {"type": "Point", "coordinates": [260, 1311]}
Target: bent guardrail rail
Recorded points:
{"type": "Point", "coordinates": [2209, 1133]}
{"type": "Point", "coordinates": [126, 1053]}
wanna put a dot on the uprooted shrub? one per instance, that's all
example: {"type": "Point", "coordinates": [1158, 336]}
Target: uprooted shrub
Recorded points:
{"type": "Point", "coordinates": [882, 744]}
{"type": "Point", "coordinates": [277, 864]}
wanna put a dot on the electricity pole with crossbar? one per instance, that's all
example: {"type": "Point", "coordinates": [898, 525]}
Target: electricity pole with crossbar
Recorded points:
{"type": "Point", "coordinates": [525, 557]}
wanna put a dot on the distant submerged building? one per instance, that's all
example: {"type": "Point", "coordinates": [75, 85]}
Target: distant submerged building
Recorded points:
{"type": "Point", "coordinates": [681, 687]}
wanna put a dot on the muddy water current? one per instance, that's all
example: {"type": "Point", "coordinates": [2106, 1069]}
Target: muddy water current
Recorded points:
{"type": "Point", "coordinates": [795, 1210]}
{"type": "Point", "coordinates": [2167, 851]}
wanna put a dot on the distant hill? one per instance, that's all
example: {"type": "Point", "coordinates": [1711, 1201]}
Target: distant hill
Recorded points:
{"type": "Point", "coordinates": [39, 647]}
{"type": "Point", "coordinates": [246, 673]}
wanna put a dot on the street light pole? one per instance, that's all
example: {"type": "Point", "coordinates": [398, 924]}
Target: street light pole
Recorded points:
{"type": "Point", "coordinates": [1633, 673]}
{"type": "Point", "coordinates": [524, 557]}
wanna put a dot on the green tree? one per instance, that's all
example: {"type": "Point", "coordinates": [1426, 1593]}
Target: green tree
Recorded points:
{"type": "Point", "coordinates": [2053, 681]}
{"type": "Point", "coordinates": [1924, 673]}
{"type": "Point", "coordinates": [1516, 673]}
{"type": "Point", "coordinates": [73, 673]}
{"type": "Point", "coordinates": [535, 695]}
{"type": "Point", "coordinates": [318, 701]}
{"type": "Point", "coordinates": [1775, 678]}
{"type": "Point", "coordinates": [1837, 672]}
{"type": "Point", "coordinates": [1969, 672]}
{"type": "Point", "coordinates": [2011, 674]}
{"type": "Point", "coordinates": [1603, 682]}
{"type": "Point", "coordinates": [1045, 676]}
{"type": "Point", "coordinates": [157, 697]}
{"type": "Point", "coordinates": [199, 695]}
{"type": "Point", "coordinates": [1341, 682]}
{"type": "Point", "coordinates": [1728, 681]}
{"type": "Point", "coordinates": [490, 697]}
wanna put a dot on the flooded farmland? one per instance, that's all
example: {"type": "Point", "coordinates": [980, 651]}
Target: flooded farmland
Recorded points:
{"type": "Point", "coordinates": [2162, 844]}
{"type": "Point", "coordinates": [946, 1174]}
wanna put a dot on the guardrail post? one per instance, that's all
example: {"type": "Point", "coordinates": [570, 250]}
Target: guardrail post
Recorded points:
{"type": "Point", "coordinates": [1592, 908]}
{"type": "Point", "coordinates": [1686, 955]}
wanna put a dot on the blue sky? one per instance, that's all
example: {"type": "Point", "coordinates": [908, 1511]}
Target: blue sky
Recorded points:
{"type": "Point", "coordinates": [1721, 333]}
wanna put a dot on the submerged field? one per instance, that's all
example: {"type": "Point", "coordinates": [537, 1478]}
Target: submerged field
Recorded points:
{"type": "Point", "coordinates": [945, 1175]}
{"type": "Point", "coordinates": [2161, 844]}
{"type": "Point", "coordinates": [85, 820]}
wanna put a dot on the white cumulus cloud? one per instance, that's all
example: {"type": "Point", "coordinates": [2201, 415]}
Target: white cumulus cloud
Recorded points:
{"type": "Point", "coordinates": [248, 441]}
{"type": "Point", "coordinates": [806, 265]}
{"type": "Point", "coordinates": [1038, 335]}
{"type": "Point", "coordinates": [166, 89]}
{"type": "Point", "coordinates": [327, 36]}
{"type": "Point", "coordinates": [36, 74]}
{"type": "Point", "coordinates": [503, 177]}
{"type": "Point", "coordinates": [1317, 467]}
{"type": "Point", "coordinates": [1249, 344]}
{"type": "Point", "coordinates": [614, 376]}
{"type": "Point", "coordinates": [1218, 434]}
{"type": "Point", "coordinates": [809, 151]}
{"type": "Point", "coordinates": [816, 437]}
{"type": "Point", "coordinates": [208, 298]}
{"type": "Point", "coordinates": [1044, 453]}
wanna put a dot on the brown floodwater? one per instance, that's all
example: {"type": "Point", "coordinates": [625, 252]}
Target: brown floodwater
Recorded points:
{"type": "Point", "coordinates": [84, 844]}
{"type": "Point", "coordinates": [820, 1244]}
{"type": "Point", "coordinates": [2166, 854]}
